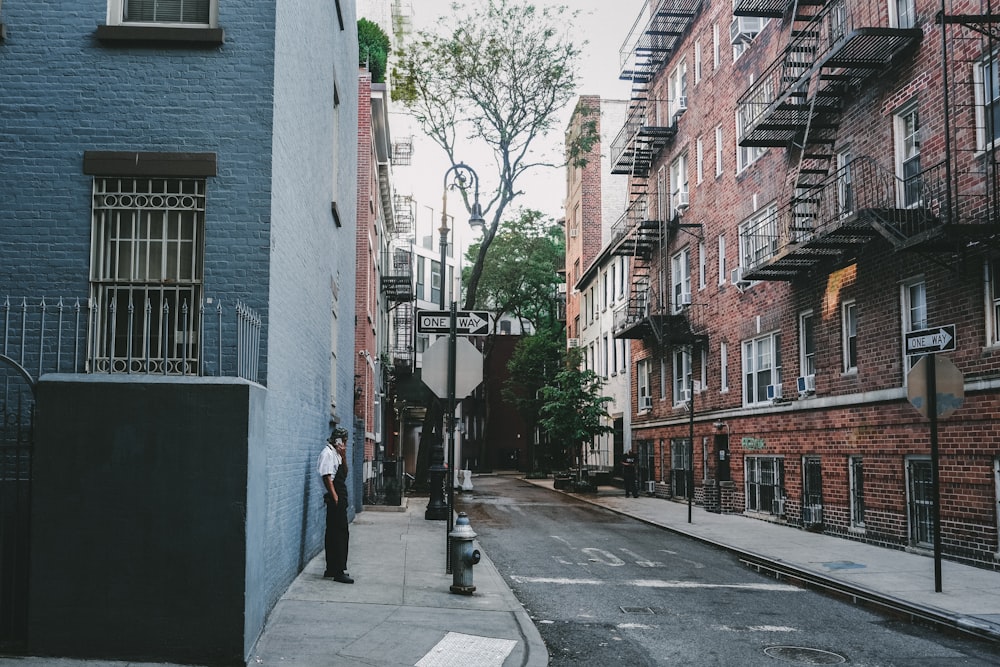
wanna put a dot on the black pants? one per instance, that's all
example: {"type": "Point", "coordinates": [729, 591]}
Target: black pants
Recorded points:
{"type": "Point", "coordinates": [338, 535]}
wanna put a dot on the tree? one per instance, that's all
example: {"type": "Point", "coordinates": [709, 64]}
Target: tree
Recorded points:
{"type": "Point", "coordinates": [521, 275]}
{"type": "Point", "coordinates": [534, 364]}
{"type": "Point", "coordinates": [574, 409]}
{"type": "Point", "coordinates": [498, 79]}
{"type": "Point", "coordinates": [373, 49]}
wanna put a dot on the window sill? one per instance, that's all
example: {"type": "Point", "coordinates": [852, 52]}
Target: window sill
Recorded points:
{"type": "Point", "coordinates": [131, 34]}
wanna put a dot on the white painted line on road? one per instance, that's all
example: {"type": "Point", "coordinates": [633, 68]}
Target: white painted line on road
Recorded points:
{"type": "Point", "coordinates": [652, 583]}
{"type": "Point", "coordinates": [758, 628]}
{"type": "Point", "coordinates": [640, 561]}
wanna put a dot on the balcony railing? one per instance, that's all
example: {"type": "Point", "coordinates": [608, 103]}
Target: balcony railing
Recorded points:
{"type": "Point", "coordinates": [77, 335]}
{"type": "Point", "coordinates": [653, 39]}
{"type": "Point", "coordinates": [851, 40]}
{"type": "Point", "coordinates": [838, 216]}
{"type": "Point", "coordinates": [645, 133]}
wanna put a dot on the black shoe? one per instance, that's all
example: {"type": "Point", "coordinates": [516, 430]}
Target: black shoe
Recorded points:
{"type": "Point", "coordinates": [333, 575]}
{"type": "Point", "coordinates": [343, 579]}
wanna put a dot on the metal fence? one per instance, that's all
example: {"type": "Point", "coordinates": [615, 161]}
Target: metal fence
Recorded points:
{"type": "Point", "coordinates": [81, 335]}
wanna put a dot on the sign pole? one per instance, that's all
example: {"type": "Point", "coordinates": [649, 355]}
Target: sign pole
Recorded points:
{"type": "Point", "coordinates": [932, 413]}
{"type": "Point", "coordinates": [450, 422]}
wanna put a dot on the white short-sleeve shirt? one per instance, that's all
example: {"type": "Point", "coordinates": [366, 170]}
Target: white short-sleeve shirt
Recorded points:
{"type": "Point", "coordinates": [329, 462]}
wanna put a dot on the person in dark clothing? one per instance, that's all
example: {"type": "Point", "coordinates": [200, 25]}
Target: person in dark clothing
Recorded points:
{"type": "Point", "coordinates": [332, 469]}
{"type": "Point", "coordinates": [628, 472]}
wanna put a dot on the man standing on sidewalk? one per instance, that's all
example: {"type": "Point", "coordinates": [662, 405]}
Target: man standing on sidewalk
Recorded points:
{"type": "Point", "coordinates": [332, 468]}
{"type": "Point", "coordinates": [628, 473]}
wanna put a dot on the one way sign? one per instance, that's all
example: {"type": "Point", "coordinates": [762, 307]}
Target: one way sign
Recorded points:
{"type": "Point", "coordinates": [931, 341]}
{"type": "Point", "coordinates": [467, 322]}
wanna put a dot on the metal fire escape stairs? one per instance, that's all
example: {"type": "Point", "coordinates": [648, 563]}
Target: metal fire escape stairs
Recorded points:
{"type": "Point", "coordinates": [640, 233]}
{"type": "Point", "coordinates": [797, 103]}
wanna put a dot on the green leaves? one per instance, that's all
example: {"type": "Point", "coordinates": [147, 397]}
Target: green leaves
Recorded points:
{"type": "Point", "coordinates": [373, 49]}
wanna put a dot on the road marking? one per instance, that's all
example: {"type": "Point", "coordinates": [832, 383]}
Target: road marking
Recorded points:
{"type": "Point", "coordinates": [758, 628]}
{"type": "Point", "coordinates": [640, 561]}
{"type": "Point", "coordinates": [652, 583]}
{"type": "Point", "coordinates": [602, 556]}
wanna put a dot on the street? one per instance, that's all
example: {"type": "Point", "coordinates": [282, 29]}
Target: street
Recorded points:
{"type": "Point", "coordinates": [603, 588]}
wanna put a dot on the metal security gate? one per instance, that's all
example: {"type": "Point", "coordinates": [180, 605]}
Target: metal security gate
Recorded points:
{"type": "Point", "coordinates": [17, 403]}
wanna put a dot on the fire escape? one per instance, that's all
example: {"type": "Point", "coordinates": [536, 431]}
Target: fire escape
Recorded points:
{"type": "Point", "coordinates": [397, 285]}
{"type": "Point", "coordinates": [829, 210]}
{"type": "Point", "coordinates": [639, 235]}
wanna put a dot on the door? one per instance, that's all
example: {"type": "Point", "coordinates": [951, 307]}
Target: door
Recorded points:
{"type": "Point", "coordinates": [17, 403]}
{"type": "Point", "coordinates": [920, 502]}
{"type": "Point", "coordinates": [812, 491]}
{"type": "Point", "coordinates": [996, 489]}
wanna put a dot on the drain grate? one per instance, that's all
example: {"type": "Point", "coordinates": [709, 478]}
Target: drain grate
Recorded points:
{"type": "Point", "coordinates": [804, 655]}
{"type": "Point", "coordinates": [636, 610]}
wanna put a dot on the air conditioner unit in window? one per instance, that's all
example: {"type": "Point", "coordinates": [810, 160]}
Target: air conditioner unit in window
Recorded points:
{"type": "Point", "coordinates": [645, 402]}
{"type": "Point", "coordinates": [774, 392]}
{"type": "Point", "coordinates": [806, 385]}
{"type": "Point", "coordinates": [684, 299]}
{"type": "Point", "coordinates": [684, 395]}
{"type": "Point", "coordinates": [572, 342]}
{"type": "Point", "coordinates": [744, 28]}
{"type": "Point", "coordinates": [736, 278]}
{"type": "Point", "coordinates": [573, 231]}
{"type": "Point", "coordinates": [778, 506]}
{"type": "Point", "coordinates": [682, 106]}
{"type": "Point", "coordinates": [681, 200]}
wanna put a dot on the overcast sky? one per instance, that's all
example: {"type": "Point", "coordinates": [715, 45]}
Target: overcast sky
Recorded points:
{"type": "Point", "coordinates": [604, 25]}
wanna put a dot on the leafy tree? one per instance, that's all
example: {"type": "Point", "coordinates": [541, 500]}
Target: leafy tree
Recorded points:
{"type": "Point", "coordinates": [373, 49]}
{"type": "Point", "coordinates": [574, 409]}
{"type": "Point", "coordinates": [534, 364]}
{"type": "Point", "coordinates": [521, 275]}
{"type": "Point", "coordinates": [498, 79]}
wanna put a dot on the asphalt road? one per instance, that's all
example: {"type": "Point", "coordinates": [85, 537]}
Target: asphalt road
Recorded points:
{"type": "Point", "coordinates": [605, 590]}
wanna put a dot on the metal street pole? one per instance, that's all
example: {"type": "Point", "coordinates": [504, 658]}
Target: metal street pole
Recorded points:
{"type": "Point", "coordinates": [932, 411]}
{"type": "Point", "coordinates": [690, 472]}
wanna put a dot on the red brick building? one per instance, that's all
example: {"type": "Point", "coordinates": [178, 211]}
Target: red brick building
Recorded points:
{"type": "Point", "coordinates": [809, 183]}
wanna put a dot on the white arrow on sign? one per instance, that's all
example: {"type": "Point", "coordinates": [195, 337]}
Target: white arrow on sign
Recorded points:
{"type": "Point", "coordinates": [929, 341]}
{"type": "Point", "coordinates": [473, 323]}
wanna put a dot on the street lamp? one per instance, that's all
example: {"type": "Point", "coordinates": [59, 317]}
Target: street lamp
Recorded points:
{"type": "Point", "coordinates": [437, 508]}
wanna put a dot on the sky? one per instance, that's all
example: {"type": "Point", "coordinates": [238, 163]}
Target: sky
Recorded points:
{"type": "Point", "coordinates": [604, 26]}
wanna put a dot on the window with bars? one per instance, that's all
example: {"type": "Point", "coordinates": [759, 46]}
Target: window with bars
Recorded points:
{"type": "Point", "coordinates": [765, 484]}
{"type": "Point", "coordinates": [192, 12]}
{"type": "Point", "coordinates": [146, 274]}
{"type": "Point", "coordinates": [680, 463]}
{"type": "Point", "coordinates": [857, 491]}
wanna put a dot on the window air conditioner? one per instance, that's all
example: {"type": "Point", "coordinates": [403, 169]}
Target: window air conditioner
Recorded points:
{"type": "Point", "coordinates": [682, 199]}
{"type": "Point", "coordinates": [684, 299]}
{"type": "Point", "coordinates": [682, 105]}
{"type": "Point", "coordinates": [645, 402]}
{"type": "Point", "coordinates": [684, 395]}
{"type": "Point", "coordinates": [573, 342]}
{"type": "Point", "coordinates": [778, 506]}
{"type": "Point", "coordinates": [744, 28]}
{"type": "Point", "coordinates": [736, 278]}
{"type": "Point", "coordinates": [774, 392]}
{"type": "Point", "coordinates": [806, 385]}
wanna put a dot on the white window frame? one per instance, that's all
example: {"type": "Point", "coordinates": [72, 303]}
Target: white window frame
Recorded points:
{"type": "Point", "coordinates": [716, 48]}
{"type": "Point", "coordinates": [697, 62]}
{"type": "Point", "coordinates": [723, 274]}
{"type": "Point", "coordinates": [845, 183]}
{"type": "Point", "coordinates": [913, 308]}
{"type": "Point", "coordinates": [680, 278]}
{"type": "Point", "coordinates": [116, 16]}
{"type": "Point", "coordinates": [747, 155]}
{"type": "Point", "coordinates": [807, 339]}
{"type": "Point", "coordinates": [681, 374]}
{"type": "Point", "coordinates": [702, 266]}
{"type": "Point", "coordinates": [907, 137]}
{"type": "Point", "coordinates": [699, 160]}
{"type": "Point", "coordinates": [759, 237]}
{"type": "Point", "coordinates": [743, 31]}
{"type": "Point", "coordinates": [992, 295]}
{"type": "Point", "coordinates": [986, 76]}
{"type": "Point", "coordinates": [644, 399]}
{"type": "Point", "coordinates": [663, 379]}
{"type": "Point", "coordinates": [719, 150]}
{"type": "Point", "coordinates": [849, 335]}
{"type": "Point", "coordinates": [679, 191]}
{"type": "Point", "coordinates": [677, 90]}
{"type": "Point", "coordinates": [903, 14]}
{"type": "Point", "coordinates": [723, 368]}
{"type": "Point", "coordinates": [761, 367]}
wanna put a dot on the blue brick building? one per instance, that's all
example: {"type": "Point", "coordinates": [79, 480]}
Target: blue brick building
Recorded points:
{"type": "Point", "coordinates": [176, 298]}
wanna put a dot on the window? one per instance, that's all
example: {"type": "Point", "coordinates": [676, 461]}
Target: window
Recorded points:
{"type": "Point", "coordinates": [807, 344]}
{"type": "Point", "coordinates": [856, 472]}
{"type": "Point", "coordinates": [613, 361]}
{"type": "Point", "coordinates": [702, 269]}
{"type": "Point", "coordinates": [993, 301]}
{"type": "Point", "coordinates": [914, 313]}
{"type": "Point", "coordinates": [682, 376]}
{"type": "Point", "coordinates": [723, 276]}
{"type": "Point", "coordinates": [606, 356]}
{"type": "Point", "coordinates": [663, 379]}
{"type": "Point", "coordinates": [680, 279]}
{"type": "Point", "coordinates": [704, 370]}
{"type": "Point", "coordinates": [697, 62]}
{"type": "Point", "coordinates": [765, 484]}
{"type": "Point", "coordinates": [920, 501]}
{"type": "Point", "coordinates": [680, 464]}
{"type": "Point", "coordinates": [677, 92]}
{"type": "Point", "coordinates": [718, 151]}
{"type": "Point", "coordinates": [908, 156]}
{"type": "Point", "coordinates": [759, 237]}
{"type": "Point", "coordinates": [746, 114]}
{"type": "Point", "coordinates": [421, 278]}
{"type": "Point", "coordinates": [642, 373]}
{"type": "Point", "coordinates": [147, 265]}
{"type": "Point", "coordinates": [435, 281]}
{"type": "Point", "coordinates": [699, 160]}
{"type": "Point", "coordinates": [716, 51]}
{"type": "Point", "coordinates": [905, 13]}
{"type": "Point", "coordinates": [723, 367]}
{"type": "Point", "coordinates": [742, 31]}
{"type": "Point", "coordinates": [849, 323]}
{"type": "Point", "coordinates": [845, 184]}
{"type": "Point", "coordinates": [622, 356]}
{"type": "Point", "coordinates": [678, 186]}
{"type": "Point", "coordinates": [662, 195]}
{"type": "Point", "coordinates": [154, 12]}
{"type": "Point", "coordinates": [761, 367]}
{"type": "Point", "coordinates": [987, 80]}
{"type": "Point", "coordinates": [812, 490]}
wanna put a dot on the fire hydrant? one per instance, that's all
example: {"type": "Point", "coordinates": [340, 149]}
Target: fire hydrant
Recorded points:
{"type": "Point", "coordinates": [463, 556]}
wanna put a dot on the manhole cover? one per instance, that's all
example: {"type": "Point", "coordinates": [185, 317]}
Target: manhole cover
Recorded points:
{"type": "Point", "coordinates": [804, 655]}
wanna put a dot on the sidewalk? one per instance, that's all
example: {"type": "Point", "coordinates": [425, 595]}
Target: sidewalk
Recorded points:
{"type": "Point", "coordinates": [892, 580]}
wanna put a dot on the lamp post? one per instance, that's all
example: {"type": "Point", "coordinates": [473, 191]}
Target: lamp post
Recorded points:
{"type": "Point", "coordinates": [437, 508]}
